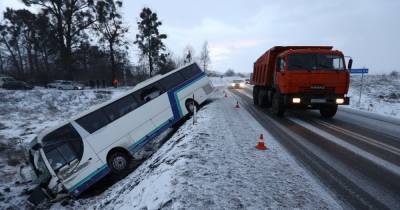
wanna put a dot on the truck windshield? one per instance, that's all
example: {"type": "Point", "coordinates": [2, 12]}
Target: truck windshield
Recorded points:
{"type": "Point", "coordinates": [315, 62]}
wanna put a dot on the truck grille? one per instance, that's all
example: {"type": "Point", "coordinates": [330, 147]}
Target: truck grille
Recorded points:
{"type": "Point", "coordinates": [319, 90]}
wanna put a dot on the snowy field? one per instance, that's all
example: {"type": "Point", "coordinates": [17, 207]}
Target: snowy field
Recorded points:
{"type": "Point", "coordinates": [212, 164]}
{"type": "Point", "coordinates": [381, 94]}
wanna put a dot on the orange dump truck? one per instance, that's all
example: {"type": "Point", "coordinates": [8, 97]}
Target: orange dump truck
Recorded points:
{"type": "Point", "coordinates": [312, 77]}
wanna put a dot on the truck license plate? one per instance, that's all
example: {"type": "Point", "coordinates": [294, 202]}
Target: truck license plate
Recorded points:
{"type": "Point", "coordinates": [318, 100]}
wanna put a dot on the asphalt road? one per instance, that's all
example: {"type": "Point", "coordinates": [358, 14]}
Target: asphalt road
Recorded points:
{"type": "Point", "coordinates": [356, 156]}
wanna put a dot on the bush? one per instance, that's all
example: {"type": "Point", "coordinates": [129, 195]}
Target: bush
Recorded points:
{"type": "Point", "coordinates": [230, 73]}
{"type": "Point", "coordinates": [394, 74]}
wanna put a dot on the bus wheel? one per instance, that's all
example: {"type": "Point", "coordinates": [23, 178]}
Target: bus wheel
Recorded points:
{"type": "Point", "coordinates": [191, 105]}
{"type": "Point", "coordinates": [119, 163]}
{"type": "Point", "coordinates": [328, 111]}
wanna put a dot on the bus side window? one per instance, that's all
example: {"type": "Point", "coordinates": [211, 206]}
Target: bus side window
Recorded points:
{"type": "Point", "coordinates": [172, 80]}
{"type": "Point", "coordinates": [190, 71]}
{"type": "Point", "coordinates": [150, 92]}
{"type": "Point", "coordinates": [120, 107]}
{"type": "Point", "coordinates": [93, 121]}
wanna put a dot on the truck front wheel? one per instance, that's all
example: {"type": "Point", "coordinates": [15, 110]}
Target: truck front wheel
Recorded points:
{"type": "Point", "coordinates": [328, 111]}
{"type": "Point", "coordinates": [278, 107]}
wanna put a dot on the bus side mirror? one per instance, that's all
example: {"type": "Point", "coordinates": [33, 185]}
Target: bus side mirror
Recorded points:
{"type": "Point", "coordinates": [350, 64]}
{"type": "Point", "coordinates": [37, 146]}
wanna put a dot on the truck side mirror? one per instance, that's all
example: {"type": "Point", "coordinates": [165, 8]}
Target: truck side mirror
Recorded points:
{"type": "Point", "coordinates": [350, 64]}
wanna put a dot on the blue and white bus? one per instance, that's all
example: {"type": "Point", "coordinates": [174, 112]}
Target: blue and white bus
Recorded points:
{"type": "Point", "coordinates": [77, 153]}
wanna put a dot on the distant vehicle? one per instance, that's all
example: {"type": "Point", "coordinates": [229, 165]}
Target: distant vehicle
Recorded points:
{"type": "Point", "coordinates": [247, 81]}
{"type": "Point", "coordinates": [238, 84]}
{"type": "Point", "coordinates": [65, 85]}
{"type": "Point", "coordinates": [4, 79]}
{"type": "Point", "coordinates": [313, 77]}
{"type": "Point", "coordinates": [74, 155]}
{"type": "Point", "coordinates": [17, 85]}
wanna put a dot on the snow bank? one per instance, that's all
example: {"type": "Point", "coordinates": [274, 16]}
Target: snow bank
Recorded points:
{"type": "Point", "coordinates": [381, 94]}
{"type": "Point", "coordinates": [213, 164]}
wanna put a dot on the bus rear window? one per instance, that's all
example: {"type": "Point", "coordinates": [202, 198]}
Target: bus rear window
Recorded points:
{"type": "Point", "coordinates": [172, 81]}
{"type": "Point", "coordinates": [93, 121]}
{"type": "Point", "coordinates": [190, 71]}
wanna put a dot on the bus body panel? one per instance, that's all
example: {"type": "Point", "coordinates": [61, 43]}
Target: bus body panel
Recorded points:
{"type": "Point", "coordinates": [90, 167]}
{"type": "Point", "coordinates": [186, 93]}
{"type": "Point", "coordinates": [162, 117]}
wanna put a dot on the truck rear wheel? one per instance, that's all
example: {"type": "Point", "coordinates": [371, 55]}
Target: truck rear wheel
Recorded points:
{"type": "Point", "coordinates": [278, 107]}
{"type": "Point", "coordinates": [255, 95]}
{"type": "Point", "coordinates": [328, 111]}
{"type": "Point", "coordinates": [262, 98]}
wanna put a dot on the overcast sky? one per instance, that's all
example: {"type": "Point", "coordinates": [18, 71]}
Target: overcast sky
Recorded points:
{"type": "Point", "coordinates": [239, 31]}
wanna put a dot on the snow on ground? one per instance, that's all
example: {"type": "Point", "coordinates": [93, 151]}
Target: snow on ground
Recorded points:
{"type": "Point", "coordinates": [381, 94]}
{"type": "Point", "coordinates": [23, 114]}
{"type": "Point", "coordinates": [213, 164]}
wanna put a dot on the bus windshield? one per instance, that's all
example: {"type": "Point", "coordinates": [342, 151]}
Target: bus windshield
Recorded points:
{"type": "Point", "coordinates": [315, 62]}
{"type": "Point", "coordinates": [62, 146]}
{"type": "Point", "coordinates": [41, 170]}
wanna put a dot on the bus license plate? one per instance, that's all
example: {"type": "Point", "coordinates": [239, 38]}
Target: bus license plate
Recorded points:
{"type": "Point", "coordinates": [318, 100]}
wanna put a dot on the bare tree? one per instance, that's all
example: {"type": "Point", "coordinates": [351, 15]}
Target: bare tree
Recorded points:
{"type": "Point", "coordinates": [149, 39]}
{"type": "Point", "coordinates": [111, 29]}
{"type": "Point", "coordinates": [188, 54]}
{"type": "Point", "coordinates": [68, 22]}
{"type": "Point", "coordinates": [205, 56]}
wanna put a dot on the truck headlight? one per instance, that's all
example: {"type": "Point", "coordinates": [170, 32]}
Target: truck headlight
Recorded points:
{"type": "Point", "coordinates": [296, 100]}
{"type": "Point", "coordinates": [242, 85]}
{"type": "Point", "coordinates": [339, 100]}
{"type": "Point", "coordinates": [232, 84]}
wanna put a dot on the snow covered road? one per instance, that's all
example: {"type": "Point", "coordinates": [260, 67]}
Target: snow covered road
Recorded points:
{"type": "Point", "coordinates": [356, 156]}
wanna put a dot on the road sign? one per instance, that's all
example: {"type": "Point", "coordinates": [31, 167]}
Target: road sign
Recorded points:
{"type": "Point", "coordinates": [362, 72]}
{"type": "Point", "coordinates": [359, 71]}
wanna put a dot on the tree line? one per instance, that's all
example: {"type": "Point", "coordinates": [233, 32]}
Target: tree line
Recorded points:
{"type": "Point", "coordinates": [83, 40]}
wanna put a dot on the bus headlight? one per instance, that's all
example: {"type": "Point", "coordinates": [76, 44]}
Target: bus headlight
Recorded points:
{"type": "Point", "coordinates": [296, 100]}
{"type": "Point", "coordinates": [339, 100]}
